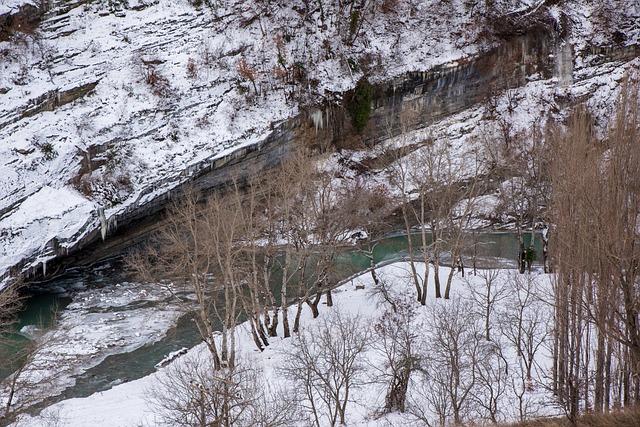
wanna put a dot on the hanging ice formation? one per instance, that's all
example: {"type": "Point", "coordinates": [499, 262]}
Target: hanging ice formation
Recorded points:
{"type": "Point", "coordinates": [105, 225]}
{"type": "Point", "coordinates": [316, 116]}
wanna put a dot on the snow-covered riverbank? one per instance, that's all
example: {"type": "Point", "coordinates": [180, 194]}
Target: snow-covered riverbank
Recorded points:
{"type": "Point", "coordinates": [130, 404]}
{"type": "Point", "coordinates": [99, 322]}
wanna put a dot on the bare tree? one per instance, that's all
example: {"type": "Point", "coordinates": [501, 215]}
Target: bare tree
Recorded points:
{"type": "Point", "coordinates": [450, 371]}
{"type": "Point", "coordinates": [331, 232]}
{"type": "Point", "coordinates": [492, 382]}
{"type": "Point", "coordinates": [595, 212]}
{"type": "Point", "coordinates": [10, 304]}
{"type": "Point", "coordinates": [27, 361]}
{"type": "Point", "coordinates": [367, 209]}
{"type": "Point", "coordinates": [206, 250]}
{"type": "Point", "coordinates": [525, 194]}
{"type": "Point", "coordinates": [327, 364]}
{"type": "Point", "coordinates": [188, 392]}
{"type": "Point", "coordinates": [448, 188]}
{"type": "Point", "coordinates": [11, 301]}
{"type": "Point", "coordinates": [400, 177]}
{"type": "Point", "coordinates": [291, 225]}
{"type": "Point", "coordinates": [487, 296]}
{"type": "Point", "coordinates": [437, 195]}
{"type": "Point", "coordinates": [396, 339]}
{"type": "Point", "coordinates": [524, 318]}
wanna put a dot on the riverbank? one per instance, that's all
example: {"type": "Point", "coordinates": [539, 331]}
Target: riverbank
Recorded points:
{"type": "Point", "coordinates": [131, 403]}
{"type": "Point", "coordinates": [104, 315]}
{"type": "Point", "coordinates": [116, 330]}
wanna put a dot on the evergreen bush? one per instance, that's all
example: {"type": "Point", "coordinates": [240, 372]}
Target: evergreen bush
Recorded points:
{"type": "Point", "coordinates": [360, 104]}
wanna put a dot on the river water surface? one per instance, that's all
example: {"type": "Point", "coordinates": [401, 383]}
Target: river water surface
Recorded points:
{"type": "Point", "coordinates": [130, 327]}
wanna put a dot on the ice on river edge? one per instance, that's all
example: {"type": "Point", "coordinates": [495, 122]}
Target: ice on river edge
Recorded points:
{"type": "Point", "coordinates": [98, 323]}
{"type": "Point", "coordinates": [128, 404]}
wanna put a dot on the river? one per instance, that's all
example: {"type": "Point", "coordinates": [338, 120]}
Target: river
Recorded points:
{"type": "Point", "coordinates": [105, 297]}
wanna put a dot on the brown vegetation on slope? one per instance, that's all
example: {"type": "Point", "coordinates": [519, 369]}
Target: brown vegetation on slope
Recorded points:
{"type": "Point", "coordinates": [629, 417]}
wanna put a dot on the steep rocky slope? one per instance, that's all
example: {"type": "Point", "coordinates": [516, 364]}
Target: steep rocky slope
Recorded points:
{"type": "Point", "coordinates": [106, 108]}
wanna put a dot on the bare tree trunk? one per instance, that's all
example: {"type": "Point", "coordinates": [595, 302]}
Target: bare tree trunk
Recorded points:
{"type": "Point", "coordinates": [521, 249]}
{"type": "Point", "coordinates": [283, 295]}
{"type": "Point", "coordinates": [585, 366]}
{"type": "Point", "coordinates": [296, 321]}
{"type": "Point", "coordinates": [412, 263]}
{"type": "Point", "coordinates": [425, 250]}
{"type": "Point", "coordinates": [607, 383]}
{"type": "Point", "coordinates": [447, 289]}
{"type": "Point", "coordinates": [329, 298]}
{"type": "Point", "coordinates": [303, 296]}
{"type": "Point", "coordinates": [545, 249]}
{"type": "Point", "coordinates": [598, 387]}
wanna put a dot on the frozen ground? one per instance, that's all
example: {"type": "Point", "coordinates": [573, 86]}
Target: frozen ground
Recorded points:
{"type": "Point", "coordinates": [129, 405]}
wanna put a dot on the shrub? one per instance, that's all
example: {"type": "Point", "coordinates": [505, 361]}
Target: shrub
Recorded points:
{"type": "Point", "coordinates": [47, 149]}
{"type": "Point", "coordinates": [192, 69]}
{"type": "Point", "coordinates": [359, 106]}
{"type": "Point", "coordinates": [159, 84]}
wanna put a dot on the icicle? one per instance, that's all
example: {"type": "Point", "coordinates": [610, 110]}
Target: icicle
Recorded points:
{"type": "Point", "coordinates": [112, 224]}
{"type": "Point", "coordinates": [564, 64]}
{"type": "Point", "coordinates": [44, 268]}
{"type": "Point", "coordinates": [103, 223]}
{"type": "Point", "coordinates": [316, 116]}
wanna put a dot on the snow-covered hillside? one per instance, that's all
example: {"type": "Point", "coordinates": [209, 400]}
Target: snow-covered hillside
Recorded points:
{"type": "Point", "coordinates": [109, 104]}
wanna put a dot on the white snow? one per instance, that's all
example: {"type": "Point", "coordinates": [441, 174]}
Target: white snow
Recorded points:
{"type": "Point", "coordinates": [8, 6]}
{"type": "Point", "coordinates": [147, 136]}
{"type": "Point", "coordinates": [128, 404]}
{"type": "Point", "coordinates": [49, 213]}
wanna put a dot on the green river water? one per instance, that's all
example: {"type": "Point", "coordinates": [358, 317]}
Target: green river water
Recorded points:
{"type": "Point", "coordinates": [486, 247]}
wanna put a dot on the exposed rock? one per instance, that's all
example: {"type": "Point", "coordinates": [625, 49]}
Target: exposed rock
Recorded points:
{"type": "Point", "coordinates": [25, 19]}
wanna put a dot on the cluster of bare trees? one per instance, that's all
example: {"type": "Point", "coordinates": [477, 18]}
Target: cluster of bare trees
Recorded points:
{"type": "Point", "coordinates": [225, 258]}
{"type": "Point", "coordinates": [251, 251]}
{"type": "Point", "coordinates": [327, 364]}
{"type": "Point", "coordinates": [437, 196]}
{"type": "Point", "coordinates": [268, 242]}
{"type": "Point", "coordinates": [596, 203]}
{"type": "Point", "coordinates": [581, 185]}
{"type": "Point", "coordinates": [190, 393]}
{"type": "Point", "coordinates": [517, 309]}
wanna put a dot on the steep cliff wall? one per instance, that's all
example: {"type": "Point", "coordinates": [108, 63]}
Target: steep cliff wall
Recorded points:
{"type": "Point", "coordinates": [413, 101]}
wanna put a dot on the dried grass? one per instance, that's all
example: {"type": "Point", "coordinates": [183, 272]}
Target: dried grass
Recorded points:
{"type": "Point", "coordinates": [629, 417]}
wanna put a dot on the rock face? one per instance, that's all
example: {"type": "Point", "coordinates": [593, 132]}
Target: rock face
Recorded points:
{"type": "Point", "coordinates": [411, 102]}
{"type": "Point", "coordinates": [48, 101]}
{"type": "Point", "coordinates": [24, 18]}
{"type": "Point", "coordinates": [119, 110]}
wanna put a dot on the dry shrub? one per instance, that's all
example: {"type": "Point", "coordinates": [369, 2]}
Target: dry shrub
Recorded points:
{"type": "Point", "coordinates": [248, 72]}
{"type": "Point", "coordinates": [159, 84]}
{"type": "Point", "coordinates": [629, 417]}
{"type": "Point", "coordinates": [192, 69]}
{"type": "Point", "coordinates": [389, 6]}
